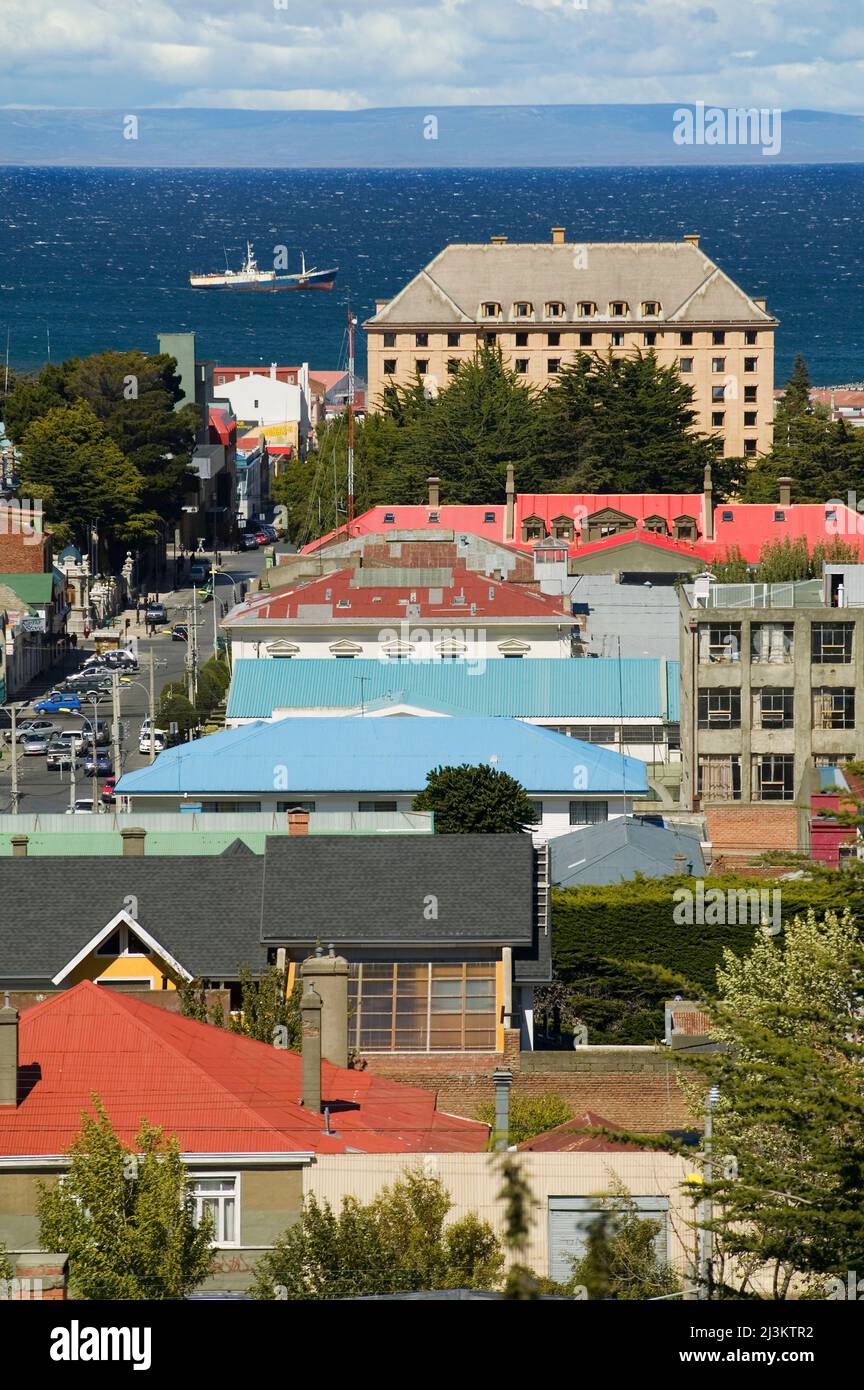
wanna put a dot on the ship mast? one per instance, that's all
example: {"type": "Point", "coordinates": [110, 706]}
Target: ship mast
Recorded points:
{"type": "Point", "coordinates": [351, 322]}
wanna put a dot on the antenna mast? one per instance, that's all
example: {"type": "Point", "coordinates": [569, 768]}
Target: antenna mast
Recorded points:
{"type": "Point", "coordinates": [351, 322]}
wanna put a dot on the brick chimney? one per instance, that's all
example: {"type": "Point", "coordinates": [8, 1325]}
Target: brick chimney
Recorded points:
{"type": "Point", "coordinates": [434, 493]}
{"type": "Point", "coordinates": [328, 976]}
{"type": "Point", "coordinates": [8, 1053]}
{"type": "Point", "coordinates": [310, 1013]}
{"type": "Point", "coordinates": [19, 846]}
{"type": "Point", "coordinates": [133, 837]}
{"type": "Point", "coordinates": [298, 822]}
{"type": "Point", "coordinates": [510, 493]}
{"type": "Point", "coordinates": [708, 504]}
{"type": "Point", "coordinates": [785, 486]}
{"type": "Point", "coordinates": [693, 237]}
{"type": "Point", "coordinates": [557, 236]}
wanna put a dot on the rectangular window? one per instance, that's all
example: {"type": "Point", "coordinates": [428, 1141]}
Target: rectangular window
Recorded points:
{"type": "Point", "coordinates": [774, 707]}
{"type": "Point", "coordinates": [719, 777]}
{"type": "Point", "coordinates": [773, 777]}
{"type": "Point", "coordinates": [831, 643]}
{"type": "Point", "coordinates": [552, 365]}
{"type": "Point", "coordinates": [421, 339]}
{"type": "Point", "coordinates": [751, 419]}
{"type": "Point", "coordinates": [295, 806]}
{"type": "Point", "coordinates": [717, 418]}
{"type": "Point", "coordinates": [719, 642]}
{"type": "Point", "coordinates": [421, 366]}
{"type": "Point", "coordinates": [718, 337]}
{"type": "Point", "coordinates": [586, 339]}
{"type": "Point", "coordinates": [618, 308]}
{"type": "Point", "coordinates": [589, 812]}
{"type": "Point", "coordinates": [376, 806]}
{"type": "Point", "coordinates": [490, 338]}
{"type": "Point", "coordinates": [586, 309]}
{"type": "Point", "coordinates": [750, 395]}
{"type": "Point", "coordinates": [834, 707]}
{"type": "Point", "coordinates": [389, 366]}
{"type": "Point", "coordinates": [617, 339]}
{"type": "Point", "coordinates": [217, 1197]}
{"type": "Point", "coordinates": [749, 446]}
{"type": "Point", "coordinates": [649, 339]}
{"type": "Point", "coordinates": [420, 1007]}
{"type": "Point", "coordinates": [389, 339]}
{"type": "Point", "coordinates": [686, 339]}
{"type": "Point", "coordinates": [751, 337]}
{"type": "Point", "coordinates": [521, 339]}
{"type": "Point", "coordinates": [452, 366]}
{"type": "Point", "coordinates": [523, 309]}
{"type": "Point", "coordinates": [718, 393]}
{"type": "Point", "coordinates": [522, 365]}
{"type": "Point", "coordinates": [751, 364]}
{"type": "Point", "coordinates": [452, 339]}
{"type": "Point", "coordinates": [773, 642]}
{"type": "Point", "coordinates": [232, 806]}
{"type": "Point", "coordinates": [536, 812]}
{"type": "Point", "coordinates": [718, 364]}
{"type": "Point", "coordinates": [685, 364]}
{"type": "Point", "coordinates": [720, 708]}
{"type": "Point", "coordinates": [553, 339]}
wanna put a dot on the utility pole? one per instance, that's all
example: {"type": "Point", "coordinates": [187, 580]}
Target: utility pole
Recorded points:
{"type": "Point", "coordinates": [192, 668]}
{"type": "Point", "coordinates": [14, 762]}
{"type": "Point", "coordinates": [351, 323]}
{"type": "Point", "coordinates": [95, 754]}
{"type": "Point", "coordinates": [152, 752]}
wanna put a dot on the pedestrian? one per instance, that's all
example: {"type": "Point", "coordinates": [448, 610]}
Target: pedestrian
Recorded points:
{"type": "Point", "coordinates": [137, 609]}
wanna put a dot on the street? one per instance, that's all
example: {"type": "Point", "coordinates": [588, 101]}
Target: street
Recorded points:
{"type": "Point", "coordinates": [40, 789]}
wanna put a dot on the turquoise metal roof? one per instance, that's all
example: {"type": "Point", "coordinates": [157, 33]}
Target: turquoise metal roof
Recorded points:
{"type": "Point", "coordinates": [355, 754]}
{"type": "Point", "coordinates": [545, 687]}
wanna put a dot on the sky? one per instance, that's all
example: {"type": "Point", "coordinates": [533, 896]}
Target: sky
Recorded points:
{"type": "Point", "coordinates": [293, 55]}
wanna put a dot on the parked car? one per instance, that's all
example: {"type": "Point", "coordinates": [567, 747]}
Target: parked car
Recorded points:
{"type": "Point", "coordinates": [99, 764]}
{"type": "Point", "coordinates": [61, 756]}
{"type": "Point", "coordinates": [144, 741]}
{"type": "Point", "coordinates": [34, 745]}
{"type": "Point", "coordinates": [103, 733]}
{"type": "Point", "coordinates": [107, 793]}
{"type": "Point", "coordinates": [32, 726]}
{"type": "Point", "coordinates": [83, 806]}
{"type": "Point", "coordinates": [155, 613]}
{"type": "Point", "coordinates": [198, 571]}
{"type": "Point", "coordinates": [180, 632]}
{"type": "Point", "coordinates": [249, 541]}
{"type": "Point", "coordinates": [58, 703]}
{"type": "Point", "coordinates": [69, 738]}
{"type": "Point", "coordinates": [269, 531]}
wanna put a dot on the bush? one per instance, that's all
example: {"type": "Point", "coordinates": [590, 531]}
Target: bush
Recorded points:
{"type": "Point", "coordinates": [529, 1115]}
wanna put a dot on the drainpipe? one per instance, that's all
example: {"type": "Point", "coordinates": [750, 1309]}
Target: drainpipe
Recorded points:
{"type": "Point", "coordinates": [503, 1079]}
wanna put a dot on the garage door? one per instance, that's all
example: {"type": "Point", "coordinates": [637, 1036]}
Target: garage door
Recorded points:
{"type": "Point", "coordinates": [571, 1218]}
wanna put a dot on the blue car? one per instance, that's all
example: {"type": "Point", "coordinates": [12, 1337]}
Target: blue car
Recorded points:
{"type": "Point", "coordinates": [57, 703]}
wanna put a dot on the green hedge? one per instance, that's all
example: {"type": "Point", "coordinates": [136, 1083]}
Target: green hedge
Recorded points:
{"type": "Point", "coordinates": [601, 936]}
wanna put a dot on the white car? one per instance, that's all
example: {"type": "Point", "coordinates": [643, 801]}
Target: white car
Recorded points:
{"type": "Point", "coordinates": [83, 806]}
{"type": "Point", "coordinates": [144, 741]}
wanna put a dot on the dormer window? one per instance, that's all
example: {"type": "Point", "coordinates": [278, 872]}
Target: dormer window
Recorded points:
{"type": "Point", "coordinates": [554, 309]}
{"type": "Point", "coordinates": [562, 528]}
{"type": "Point", "coordinates": [586, 309]}
{"type": "Point", "coordinates": [651, 309]}
{"type": "Point", "coordinates": [618, 309]}
{"type": "Point", "coordinates": [657, 524]}
{"type": "Point", "coordinates": [490, 309]}
{"type": "Point", "coordinates": [523, 309]}
{"type": "Point", "coordinates": [685, 528]}
{"type": "Point", "coordinates": [389, 518]}
{"type": "Point", "coordinates": [533, 528]}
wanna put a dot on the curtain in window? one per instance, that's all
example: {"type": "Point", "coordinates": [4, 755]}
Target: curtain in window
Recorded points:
{"type": "Point", "coordinates": [717, 779]}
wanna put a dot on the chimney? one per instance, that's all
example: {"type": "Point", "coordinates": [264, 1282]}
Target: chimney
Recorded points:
{"type": "Point", "coordinates": [328, 977]}
{"type": "Point", "coordinates": [381, 304]}
{"type": "Point", "coordinates": [708, 504]}
{"type": "Point", "coordinates": [498, 240]}
{"type": "Point", "coordinates": [557, 236]}
{"type": "Point", "coordinates": [133, 837]}
{"type": "Point", "coordinates": [310, 1013]}
{"type": "Point", "coordinates": [272, 371]}
{"type": "Point", "coordinates": [680, 862]}
{"type": "Point", "coordinates": [503, 1079]}
{"type": "Point", "coordinates": [785, 486]}
{"type": "Point", "coordinates": [19, 846]}
{"type": "Point", "coordinates": [8, 1054]}
{"type": "Point", "coordinates": [760, 304]}
{"type": "Point", "coordinates": [693, 238]}
{"type": "Point", "coordinates": [511, 503]}
{"type": "Point", "coordinates": [298, 822]}
{"type": "Point", "coordinates": [434, 492]}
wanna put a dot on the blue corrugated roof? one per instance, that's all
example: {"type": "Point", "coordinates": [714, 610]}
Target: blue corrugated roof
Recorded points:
{"type": "Point", "coordinates": [547, 687]}
{"type": "Point", "coordinates": [392, 754]}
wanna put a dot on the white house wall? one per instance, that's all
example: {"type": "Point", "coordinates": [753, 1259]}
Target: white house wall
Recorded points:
{"type": "Point", "coordinates": [482, 642]}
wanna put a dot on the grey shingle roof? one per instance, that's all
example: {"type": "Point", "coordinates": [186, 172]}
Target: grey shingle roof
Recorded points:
{"type": "Point", "coordinates": [214, 913]}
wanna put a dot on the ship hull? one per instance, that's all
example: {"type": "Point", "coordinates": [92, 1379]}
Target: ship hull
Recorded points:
{"type": "Point", "coordinates": [321, 280]}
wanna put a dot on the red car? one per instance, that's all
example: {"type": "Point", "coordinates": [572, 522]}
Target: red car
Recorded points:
{"type": "Point", "coordinates": [107, 791]}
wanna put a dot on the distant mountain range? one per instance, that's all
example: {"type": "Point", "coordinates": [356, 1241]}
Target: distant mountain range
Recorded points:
{"type": "Point", "coordinates": [417, 137]}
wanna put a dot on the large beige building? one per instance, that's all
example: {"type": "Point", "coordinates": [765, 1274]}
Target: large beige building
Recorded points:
{"type": "Point", "coordinates": [546, 302]}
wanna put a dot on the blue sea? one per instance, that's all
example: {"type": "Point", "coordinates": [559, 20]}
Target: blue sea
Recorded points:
{"type": "Point", "coordinates": [95, 258]}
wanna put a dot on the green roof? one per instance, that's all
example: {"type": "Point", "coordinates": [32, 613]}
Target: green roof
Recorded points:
{"type": "Point", "coordinates": [32, 588]}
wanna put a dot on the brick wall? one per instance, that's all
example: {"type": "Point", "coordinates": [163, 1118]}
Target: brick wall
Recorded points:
{"type": "Point", "coordinates": [752, 827]}
{"type": "Point", "coordinates": [39, 1276]}
{"type": "Point", "coordinates": [634, 1087]}
{"type": "Point", "coordinates": [18, 558]}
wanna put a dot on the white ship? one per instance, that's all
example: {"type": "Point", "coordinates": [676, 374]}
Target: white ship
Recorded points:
{"type": "Point", "coordinates": [251, 278]}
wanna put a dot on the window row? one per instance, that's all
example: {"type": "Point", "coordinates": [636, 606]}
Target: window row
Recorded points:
{"type": "Point", "coordinates": [421, 340]}
{"type": "Point", "coordinates": [772, 777]}
{"type": "Point", "coordinates": [773, 707]}
{"type": "Point", "coordinates": [831, 643]}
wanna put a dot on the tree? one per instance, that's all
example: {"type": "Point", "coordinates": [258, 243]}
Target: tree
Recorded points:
{"type": "Point", "coordinates": [470, 800]}
{"type": "Point", "coordinates": [732, 569]}
{"type": "Point", "coordinates": [397, 1243]}
{"type": "Point", "coordinates": [788, 1193]}
{"type": "Point", "coordinates": [267, 1012]}
{"type": "Point", "coordinates": [6, 1270]}
{"type": "Point", "coordinates": [521, 1285]}
{"type": "Point", "coordinates": [126, 1219]}
{"type": "Point", "coordinates": [83, 478]}
{"type": "Point", "coordinates": [175, 707]}
{"type": "Point", "coordinates": [529, 1115]}
{"type": "Point", "coordinates": [621, 1261]}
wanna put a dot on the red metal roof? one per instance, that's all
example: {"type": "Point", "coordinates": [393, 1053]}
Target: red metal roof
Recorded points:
{"type": "Point", "coordinates": [571, 1137]}
{"type": "Point", "coordinates": [751, 524]}
{"type": "Point", "coordinates": [385, 602]}
{"type": "Point", "coordinates": [639, 505]}
{"type": "Point", "coordinates": [216, 1091]}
